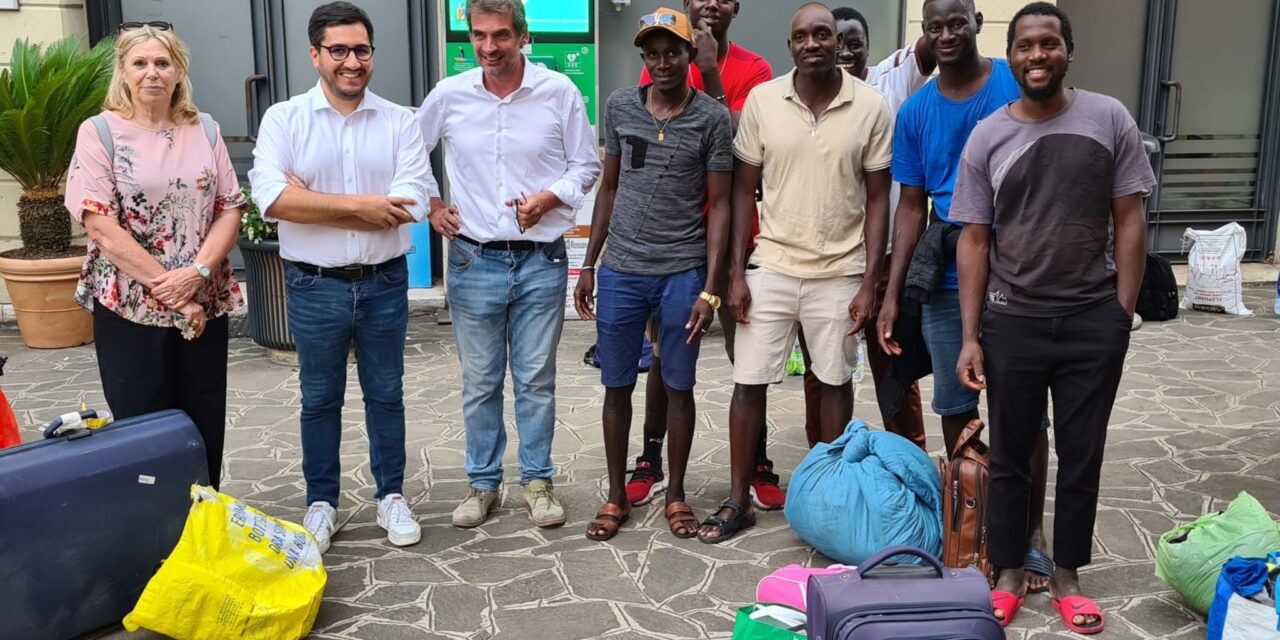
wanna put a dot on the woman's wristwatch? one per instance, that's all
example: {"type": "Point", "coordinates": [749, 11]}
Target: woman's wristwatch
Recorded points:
{"type": "Point", "coordinates": [201, 269]}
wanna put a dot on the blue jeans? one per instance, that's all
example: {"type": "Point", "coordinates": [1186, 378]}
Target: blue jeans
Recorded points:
{"type": "Point", "coordinates": [507, 302]}
{"type": "Point", "coordinates": [624, 305]}
{"type": "Point", "coordinates": [326, 315]}
{"type": "Point", "coordinates": [944, 335]}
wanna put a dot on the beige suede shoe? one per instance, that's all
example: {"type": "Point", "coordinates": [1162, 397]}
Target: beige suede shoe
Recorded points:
{"type": "Point", "coordinates": [544, 507]}
{"type": "Point", "coordinates": [475, 509]}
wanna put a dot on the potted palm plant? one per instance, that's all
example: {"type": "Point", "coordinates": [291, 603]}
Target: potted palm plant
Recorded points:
{"type": "Point", "coordinates": [264, 275]}
{"type": "Point", "coordinates": [44, 96]}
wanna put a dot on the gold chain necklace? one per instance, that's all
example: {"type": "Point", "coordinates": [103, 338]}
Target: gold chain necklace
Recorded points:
{"type": "Point", "coordinates": [648, 103]}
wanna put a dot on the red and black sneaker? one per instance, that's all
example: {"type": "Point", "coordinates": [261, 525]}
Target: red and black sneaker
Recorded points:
{"type": "Point", "coordinates": [765, 492]}
{"type": "Point", "coordinates": [646, 482]}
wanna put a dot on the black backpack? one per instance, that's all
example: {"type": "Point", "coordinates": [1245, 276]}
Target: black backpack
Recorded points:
{"type": "Point", "coordinates": [1158, 297]}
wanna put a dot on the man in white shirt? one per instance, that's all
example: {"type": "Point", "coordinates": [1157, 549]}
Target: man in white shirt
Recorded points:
{"type": "Point", "coordinates": [521, 157]}
{"type": "Point", "coordinates": [344, 171]}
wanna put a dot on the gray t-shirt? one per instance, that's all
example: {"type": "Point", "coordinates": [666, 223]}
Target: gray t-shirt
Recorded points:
{"type": "Point", "coordinates": [656, 228]}
{"type": "Point", "coordinates": [1047, 186]}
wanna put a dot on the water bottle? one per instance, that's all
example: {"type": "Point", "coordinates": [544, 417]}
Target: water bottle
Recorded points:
{"type": "Point", "coordinates": [861, 367]}
{"type": "Point", "coordinates": [795, 362]}
{"type": "Point", "coordinates": [1277, 309]}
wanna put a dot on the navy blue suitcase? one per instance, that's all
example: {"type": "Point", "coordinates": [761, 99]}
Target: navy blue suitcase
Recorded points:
{"type": "Point", "coordinates": [86, 518]}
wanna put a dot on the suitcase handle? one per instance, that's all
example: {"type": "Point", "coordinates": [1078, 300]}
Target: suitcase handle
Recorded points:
{"type": "Point", "coordinates": [885, 554]}
{"type": "Point", "coordinates": [68, 422]}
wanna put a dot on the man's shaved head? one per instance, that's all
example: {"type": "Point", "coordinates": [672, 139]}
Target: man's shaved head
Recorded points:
{"type": "Point", "coordinates": [968, 4]}
{"type": "Point", "coordinates": [812, 6]}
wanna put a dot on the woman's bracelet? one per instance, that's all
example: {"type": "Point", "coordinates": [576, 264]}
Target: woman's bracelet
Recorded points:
{"type": "Point", "coordinates": [587, 267]}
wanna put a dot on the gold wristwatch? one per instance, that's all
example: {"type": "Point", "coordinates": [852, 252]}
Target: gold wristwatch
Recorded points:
{"type": "Point", "coordinates": [712, 300]}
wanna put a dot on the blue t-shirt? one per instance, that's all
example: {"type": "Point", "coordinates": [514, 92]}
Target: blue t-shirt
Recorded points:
{"type": "Point", "coordinates": [930, 135]}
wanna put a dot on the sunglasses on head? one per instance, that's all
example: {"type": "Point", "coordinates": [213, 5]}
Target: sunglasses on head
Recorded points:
{"type": "Point", "coordinates": [655, 19]}
{"type": "Point", "coordinates": [159, 25]}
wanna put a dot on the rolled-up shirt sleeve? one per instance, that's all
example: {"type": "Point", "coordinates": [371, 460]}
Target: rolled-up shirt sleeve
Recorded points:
{"type": "Point", "coordinates": [428, 120]}
{"type": "Point", "coordinates": [272, 156]}
{"type": "Point", "coordinates": [413, 177]}
{"type": "Point", "coordinates": [581, 153]}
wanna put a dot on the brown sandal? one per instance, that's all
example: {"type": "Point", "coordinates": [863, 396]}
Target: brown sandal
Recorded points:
{"type": "Point", "coordinates": [609, 519]}
{"type": "Point", "coordinates": [680, 516]}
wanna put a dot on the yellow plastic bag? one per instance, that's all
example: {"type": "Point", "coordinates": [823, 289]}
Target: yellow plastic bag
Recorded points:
{"type": "Point", "coordinates": [236, 573]}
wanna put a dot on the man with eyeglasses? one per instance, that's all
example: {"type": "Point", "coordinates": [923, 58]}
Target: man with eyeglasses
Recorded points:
{"type": "Point", "coordinates": [344, 171]}
{"type": "Point", "coordinates": [521, 157]}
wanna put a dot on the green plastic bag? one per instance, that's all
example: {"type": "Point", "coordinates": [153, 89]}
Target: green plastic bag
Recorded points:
{"type": "Point", "coordinates": [1191, 556]}
{"type": "Point", "coordinates": [744, 628]}
{"type": "Point", "coordinates": [795, 362]}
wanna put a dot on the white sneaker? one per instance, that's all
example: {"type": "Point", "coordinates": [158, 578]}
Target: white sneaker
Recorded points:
{"type": "Point", "coordinates": [1137, 322]}
{"type": "Point", "coordinates": [321, 521]}
{"type": "Point", "coordinates": [394, 516]}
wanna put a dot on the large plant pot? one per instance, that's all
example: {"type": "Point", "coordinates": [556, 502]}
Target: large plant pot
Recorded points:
{"type": "Point", "coordinates": [43, 295]}
{"type": "Point", "coordinates": [268, 315]}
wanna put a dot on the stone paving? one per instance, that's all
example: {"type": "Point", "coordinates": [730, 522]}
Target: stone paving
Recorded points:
{"type": "Point", "coordinates": [1198, 420]}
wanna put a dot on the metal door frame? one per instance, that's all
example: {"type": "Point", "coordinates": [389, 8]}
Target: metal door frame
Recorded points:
{"type": "Point", "coordinates": [1154, 116]}
{"type": "Point", "coordinates": [105, 15]}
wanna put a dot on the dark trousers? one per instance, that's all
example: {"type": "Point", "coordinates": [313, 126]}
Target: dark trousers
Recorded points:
{"type": "Point", "coordinates": [147, 369]}
{"type": "Point", "coordinates": [1078, 359]}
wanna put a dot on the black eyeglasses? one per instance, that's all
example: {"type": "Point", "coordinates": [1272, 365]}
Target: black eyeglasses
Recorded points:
{"type": "Point", "coordinates": [339, 52]}
{"type": "Point", "coordinates": [159, 25]}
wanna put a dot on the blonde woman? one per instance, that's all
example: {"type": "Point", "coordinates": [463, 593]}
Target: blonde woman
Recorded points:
{"type": "Point", "coordinates": [153, 185]}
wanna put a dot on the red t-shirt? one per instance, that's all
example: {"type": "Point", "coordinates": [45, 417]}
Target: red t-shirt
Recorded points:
{"type": "Point", "coordinates": [740, 72]}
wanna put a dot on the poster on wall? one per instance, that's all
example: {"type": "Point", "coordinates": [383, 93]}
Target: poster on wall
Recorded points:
{"type": "Point", "coordinates": [575, 244]}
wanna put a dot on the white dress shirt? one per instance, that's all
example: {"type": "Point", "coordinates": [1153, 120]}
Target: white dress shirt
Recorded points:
{"type": "Point", "coordinates": [375, 150]}
{"type": "Point", "coordinates": [896, 77]}
{"type": "Point", "coordinates": [536, 139]}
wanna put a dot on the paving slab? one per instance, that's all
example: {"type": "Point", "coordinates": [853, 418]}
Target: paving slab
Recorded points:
{"type": "Point", "coordinates": [1197, 421]}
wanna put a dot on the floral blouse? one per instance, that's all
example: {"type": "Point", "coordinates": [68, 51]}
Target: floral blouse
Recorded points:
{"type": "Point", "coordinates": [165, 188]}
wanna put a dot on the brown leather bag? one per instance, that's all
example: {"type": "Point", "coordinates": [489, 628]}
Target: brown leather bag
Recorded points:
{"type": "Point", "coordinates": [964, 502]}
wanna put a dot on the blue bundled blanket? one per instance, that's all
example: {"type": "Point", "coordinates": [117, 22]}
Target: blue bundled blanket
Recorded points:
{"type": "Point", "coordinates": [866, 491]}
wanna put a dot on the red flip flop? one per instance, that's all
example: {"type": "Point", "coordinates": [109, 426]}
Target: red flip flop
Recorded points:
{"type": "Point", "coordinates": [1007, 602]}
{"type": "Point", "coordinates": [1078, 605]}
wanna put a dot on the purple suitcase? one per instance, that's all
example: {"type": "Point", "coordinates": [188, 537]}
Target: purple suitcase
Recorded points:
{"type": "Point", "coordinates": [902, 602]}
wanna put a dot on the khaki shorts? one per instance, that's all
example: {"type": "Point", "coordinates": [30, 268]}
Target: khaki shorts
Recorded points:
{"type": "Point", "coordinates": [780, 304]}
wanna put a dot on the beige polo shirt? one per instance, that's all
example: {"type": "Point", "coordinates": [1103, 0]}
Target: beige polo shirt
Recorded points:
{"type": "Point", "coordinates": [815, 190]}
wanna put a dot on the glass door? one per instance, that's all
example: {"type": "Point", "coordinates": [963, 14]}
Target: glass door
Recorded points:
{"type": "Point", "coordinates": [1210, 98]}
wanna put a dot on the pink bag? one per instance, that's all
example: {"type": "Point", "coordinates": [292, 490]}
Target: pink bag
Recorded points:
{"type": "Point", "coordinates": [789, 585]}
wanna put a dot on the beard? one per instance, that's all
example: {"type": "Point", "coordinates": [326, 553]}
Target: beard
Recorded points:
{"type": "Point", "coordinates": [1042, 93]}
{"type": "Point", "coordinates": [338, 88]}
